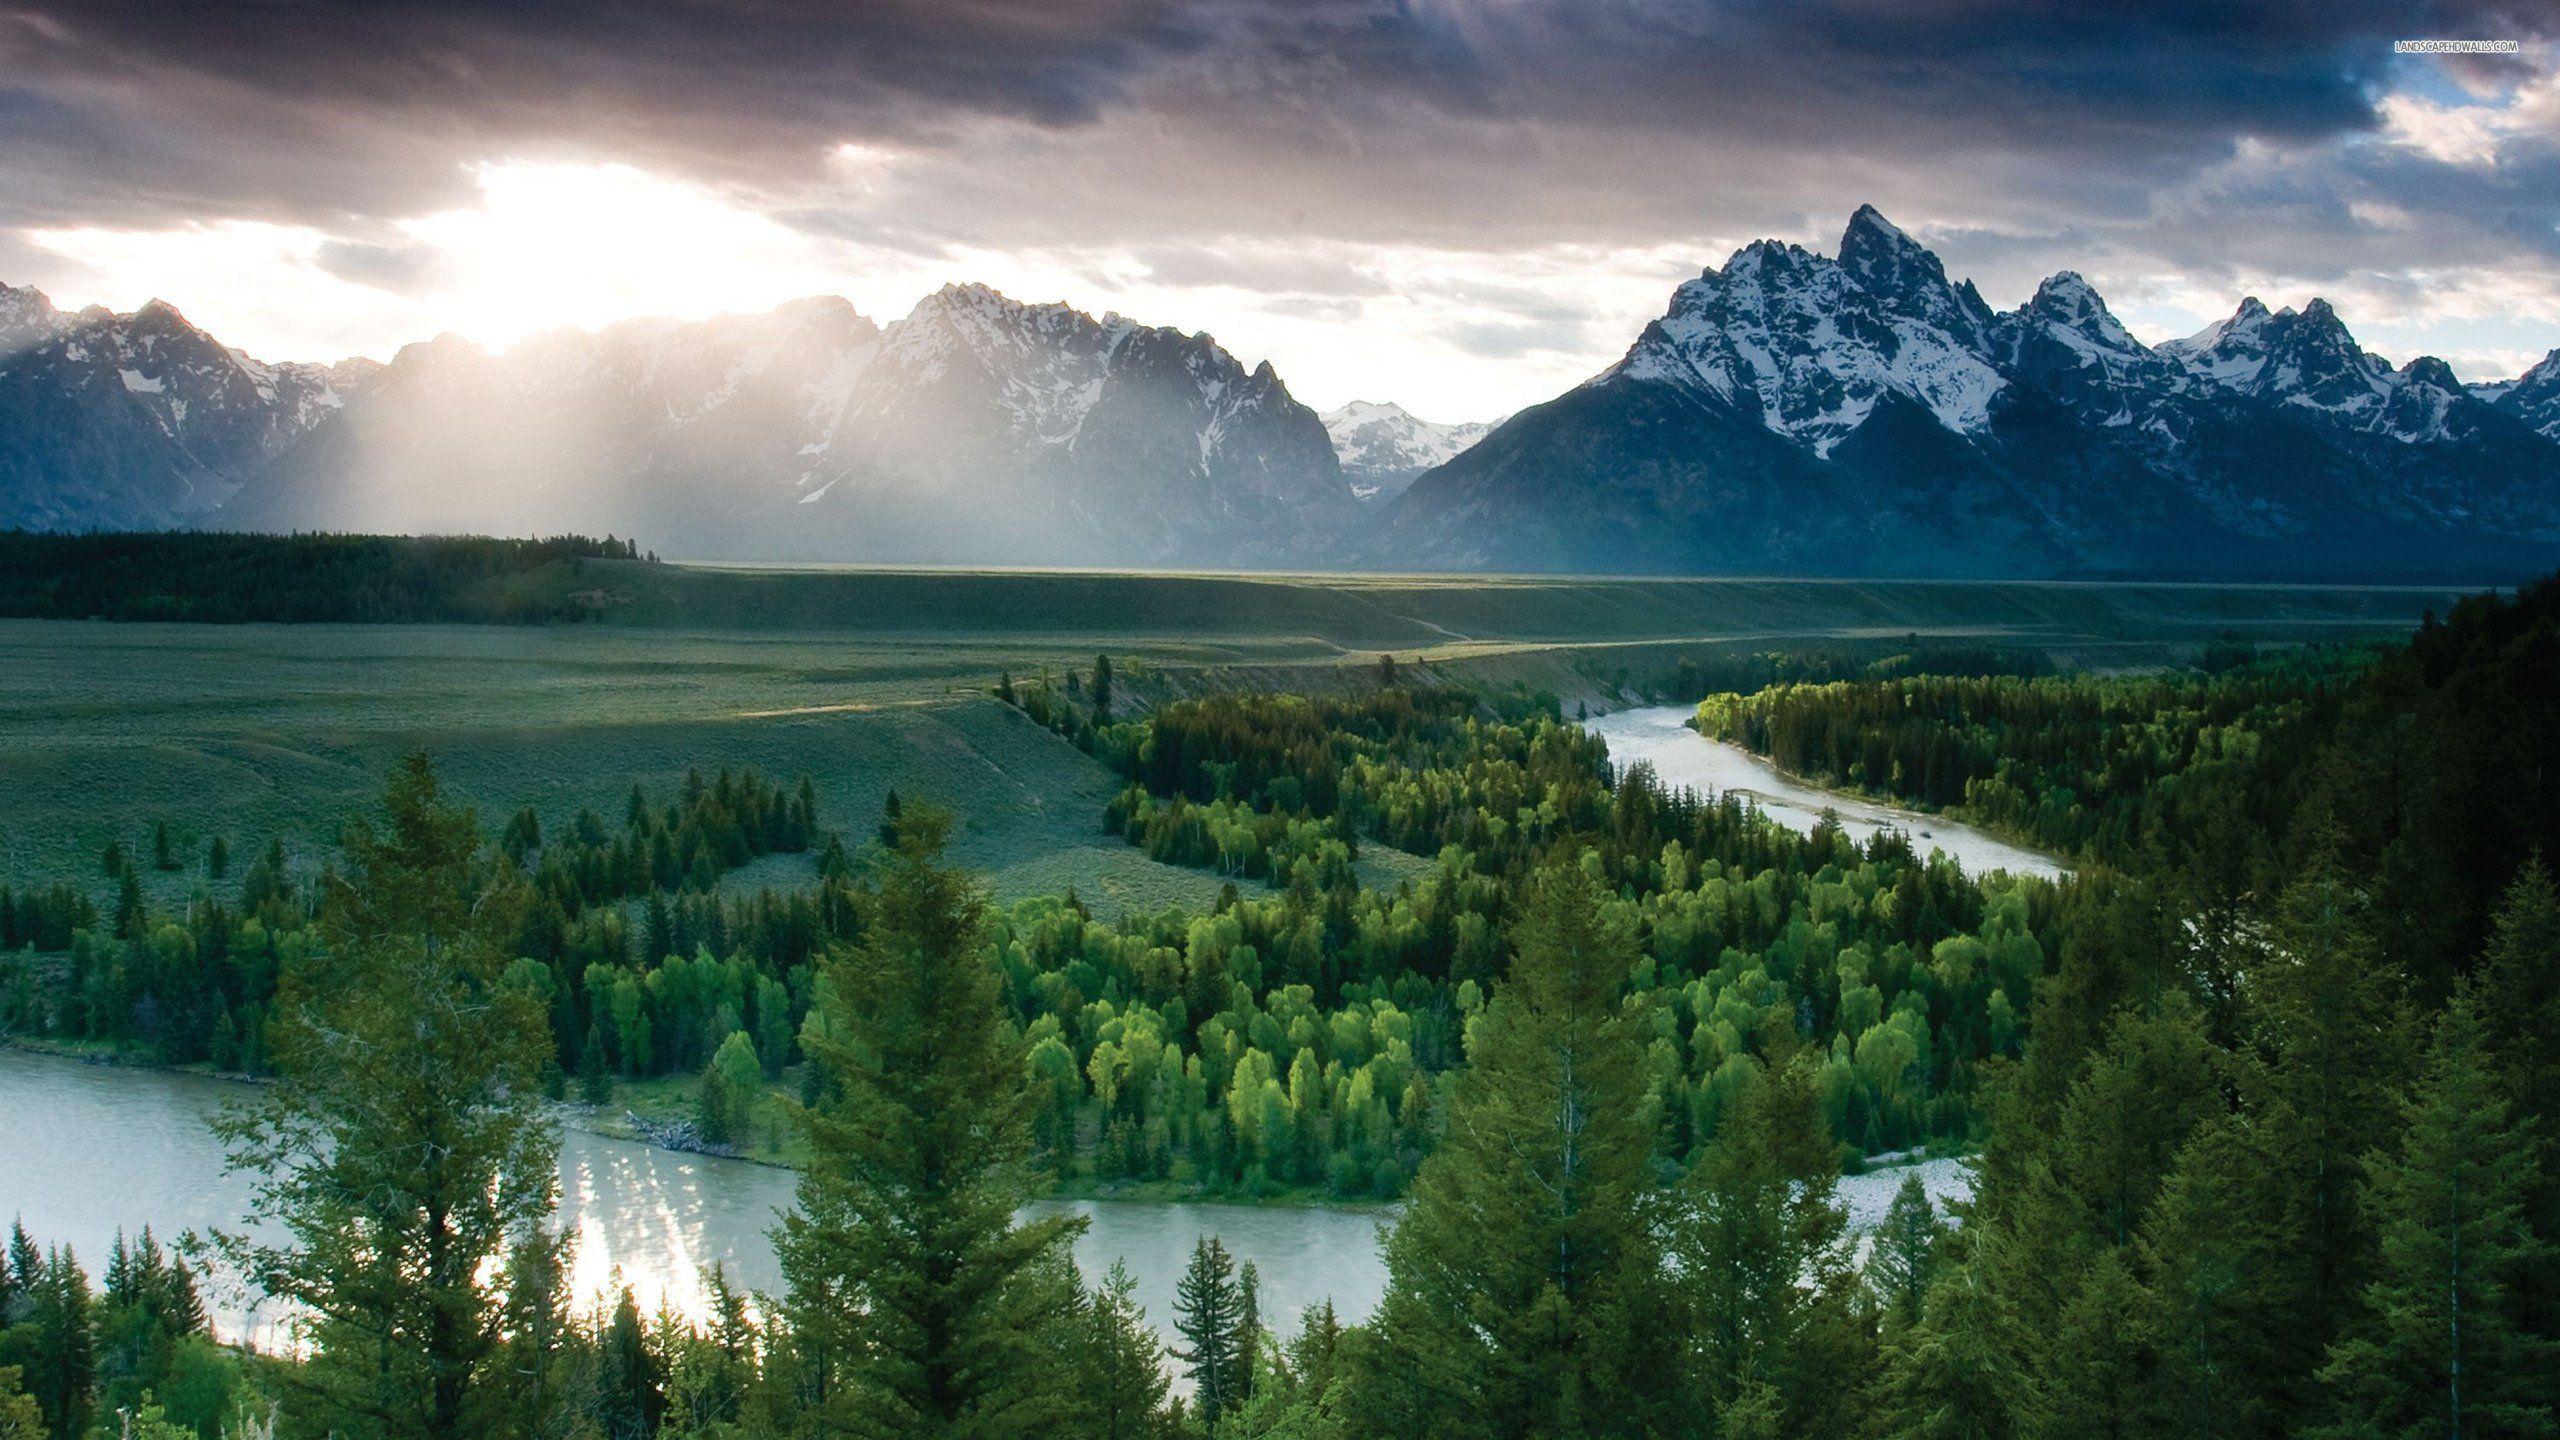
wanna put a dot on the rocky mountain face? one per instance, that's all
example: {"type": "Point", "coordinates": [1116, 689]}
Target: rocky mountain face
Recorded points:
{"type": "Point", "coordinates": [2533, 397]}
{"type": "Point", "coordinates": [1790, 413]}
{"type": "Point", "coordinates": [1864, 414]}
{"type": "Point", "coordinates": [976, 430]}
{"type": "Point", "coordinates": [141, 420]}
{"type": "Point", "coordinates": [1383, 446]}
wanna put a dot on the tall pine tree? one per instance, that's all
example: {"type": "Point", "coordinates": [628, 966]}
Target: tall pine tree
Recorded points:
{"type": "Point", "coordinates": [1525, 1293]}
{"type": "Point", "coordinates": [403, 1145]}
{"type": "Point", "coordinates": [929, 1311]}
{"type": "Point", "coordinates": [2443, 1348]}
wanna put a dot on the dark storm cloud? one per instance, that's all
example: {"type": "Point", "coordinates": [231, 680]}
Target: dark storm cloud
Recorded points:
{"type": "Point", "coordinates": [343, 106]}
{"type": "Point", "coordinates": [2018, 134]}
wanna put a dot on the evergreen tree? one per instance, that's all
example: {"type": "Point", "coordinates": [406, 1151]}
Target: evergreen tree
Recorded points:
{"type": "Point", "coordinates": [1101, 689]}
{"type": "Point", "coordinates": [1766, 1292]}
{"type": "Point", "coordinates": [1208, 1312]}
{"type": "Point", "coordinates": [1249, 1333]}
{"type": "Point", "coordinates": [2333, 1030]}
{"type": "Point", "coordinates": [217, 858]}
{"type": "Point", "coordinates": [55, 1341]}
{"type": "Point", "coordinates": [131, 918]}
{"type": "Point", "coordinates": [2209, 1247]}
{"type": "Point", "coordinates": [595, 1072]}
{"type": "Point", "coordinates": [928, 1309]}
{"type": "Point", "coordinates": [1898, 1263]}
{"type": "Point", "coordinates": [631, 1395]}
{"type": "Point", "coordinates": [403, 1144]}
{"type": "Point", "coordinates": [2098, 1374]}
{"type": "Point", "coordinates": [1957, 1375]}
{"type": "Point", "coordinates": [1119, 1362]}
{"type": "Point", "coordinates": [890, 810]}
{"type": "Point", "coordinates": [2519, 1005]}
{"type": "Point", "coordinates": [546, 1367]}
{"type": "Point", "coordinates": [2442, 1348]}
{"type": "Point", "coordinates": [164, 854]}
{"type": "Point", "coordinates": [1004, 687]}
{"type": "Point", "coordinates": [1524, 1293]}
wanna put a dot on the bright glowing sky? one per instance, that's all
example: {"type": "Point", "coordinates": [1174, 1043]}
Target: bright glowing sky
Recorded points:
{"type": "Point", "coordinates": [1464, 207]}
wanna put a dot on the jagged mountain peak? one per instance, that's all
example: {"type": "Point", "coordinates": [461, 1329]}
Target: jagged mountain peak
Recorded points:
{"type": "Point", "coordinates": [2534, 396]}
{"type": "Point", "coordinates": [1805, 344]}
{"type": "Point", "coordinates": [1382, 446]}
{"type": "Point", "coordinates": [2429, 371]}
{"type": "Point", "coordinates": [27, 316]}
{"type": "Point", "coordinates": [1879, 251]}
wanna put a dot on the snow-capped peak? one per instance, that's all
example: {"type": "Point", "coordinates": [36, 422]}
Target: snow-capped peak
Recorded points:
{"type": "Point", "coordinates": [1806, 344]}
{"type": "Point", "coordinates": [2534, 396]}
{"type": "Point", "coordinates": [1382, 446]}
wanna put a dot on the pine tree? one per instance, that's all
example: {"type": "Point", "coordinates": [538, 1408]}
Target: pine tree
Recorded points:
{"type": "Point", "coordinates": [595, 1072]}
{"type": "Point", "coordinates": [1208, 1311]}
{"type": "Point", "coordinates": [2098, 1381]}
{"type": "Point", "coordinates": [2442, 1348]}
{"type": "Point", "coordinates": [1524, 1293]}
{"type": "Point", "coordinates": [164, 854]}
{"type": "Point", "coordinates": [546, 1368]}
{"type": "Point", "coordinates": [2332, 1024]}
{"type": "Point", "coordinates": [131, 918]}
{"type": "Point", "coordinates": [2519, 1004]}
{"type": "Point", "coordinates": [403, 1145]}
{"type": "Point", "coordinates": [2208, 1246]}
{"type": "Point", "coordinates": [1249, 1332]}
{"type": "Point", "coordinates": [631, 1393]}
{"type": "Point", "coordinates": [1101, 689]}
{"type": "Point", "coordinates": [1898, 1263]}
{"type": "Point", "coordinates": [1957, 1375]}
{"type": "Point", "coordinates": [1119, 1366]}
{"type": "Point", "coordinates": [217, 858]}
{"type": "Point", "coordinates": [56, 1341]}
{"type": "Point", "coordinates": [928, 1309]}
{"type": "Point", "coordinates": [1757, 1240]}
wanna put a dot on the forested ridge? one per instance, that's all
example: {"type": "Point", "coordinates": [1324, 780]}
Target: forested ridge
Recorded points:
{"type": "Point", "coordinates": [230, 579]}
{"type": "Point", "coordinates": [2260, 1099]}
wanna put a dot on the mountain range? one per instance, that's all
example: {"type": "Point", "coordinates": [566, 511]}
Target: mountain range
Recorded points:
{"type": "Point", "coordinates": [1791, 412]}
{"type": "Point", "coordinates": [1863, 414]}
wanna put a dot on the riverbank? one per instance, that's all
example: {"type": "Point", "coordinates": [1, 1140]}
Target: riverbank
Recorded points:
{"type": "Point", "coordinates": [1917, 809]}
{"type": "Point", "coordinates": [1682, 758]}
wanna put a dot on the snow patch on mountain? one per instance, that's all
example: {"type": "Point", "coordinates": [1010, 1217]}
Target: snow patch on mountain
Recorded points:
{"type": "Point", "coordinates": [1808, 344]}
{"type": "Point", "coordinates": [1382, 446]}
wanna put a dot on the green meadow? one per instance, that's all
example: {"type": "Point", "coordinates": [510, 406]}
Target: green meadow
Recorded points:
{"type": "Point", "coordinates": [873, 680]}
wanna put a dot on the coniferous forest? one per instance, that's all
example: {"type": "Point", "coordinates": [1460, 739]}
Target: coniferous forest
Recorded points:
{"type": "Point", "coordinates": [2259, 1099]}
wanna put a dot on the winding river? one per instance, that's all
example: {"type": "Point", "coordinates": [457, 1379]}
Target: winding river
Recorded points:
{"type": "Point", "coordinates": [94, 1150]}
{"type": "Point", "coordinates": [1685, 759]}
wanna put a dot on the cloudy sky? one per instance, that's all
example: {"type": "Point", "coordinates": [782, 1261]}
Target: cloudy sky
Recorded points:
{"type": "Point", "coordinates": [1464, 205]}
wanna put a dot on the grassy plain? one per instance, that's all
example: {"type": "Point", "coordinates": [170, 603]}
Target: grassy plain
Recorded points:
{"type": "Point", "coordinates": [871, 680]}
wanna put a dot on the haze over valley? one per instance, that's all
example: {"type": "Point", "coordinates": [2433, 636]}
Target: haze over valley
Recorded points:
{"type": "Point", "coordinates": [1858, 413]}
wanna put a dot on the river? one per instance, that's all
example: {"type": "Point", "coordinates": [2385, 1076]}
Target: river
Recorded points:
{"type": "Point", "coordinates": [94, 1149]}
{"type": "Point", "coordinates": [97, 1149]}
{"type": "Point", "coordinates": [1684, 759]}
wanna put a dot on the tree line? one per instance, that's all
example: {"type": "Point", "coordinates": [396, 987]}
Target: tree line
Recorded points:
{"type": "Point", "coordinates": [231, 579]}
